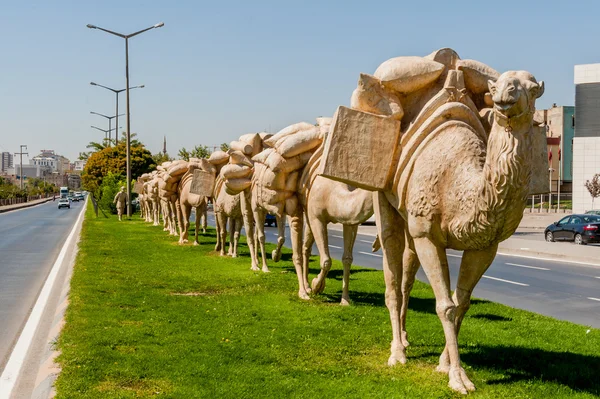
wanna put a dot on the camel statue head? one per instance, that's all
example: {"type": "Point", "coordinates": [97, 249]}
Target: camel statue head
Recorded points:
{"type": "Point", "coordinates": [514, 94]}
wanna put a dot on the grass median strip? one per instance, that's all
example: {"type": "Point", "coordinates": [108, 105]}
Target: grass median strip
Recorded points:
{"type": "Point", "coordinates": [149, 318]}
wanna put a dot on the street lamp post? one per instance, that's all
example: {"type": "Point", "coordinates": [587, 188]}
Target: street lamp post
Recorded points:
{"type": "Point", "coordinates": [128, 161]}
{"type": "Point", "coordinates": [117, 92]}
{"type": "Point", "coordinates": [106, 132]}
{"type": "Point", "coordinates": [110, 118]}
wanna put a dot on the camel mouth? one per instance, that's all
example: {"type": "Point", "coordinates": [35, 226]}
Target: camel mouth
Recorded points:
{"type": "Point", "coordinates": [504, 108]}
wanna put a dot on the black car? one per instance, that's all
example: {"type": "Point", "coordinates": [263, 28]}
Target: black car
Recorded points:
{"type": "Point", "coordinates": [270, 220]}
{"type": "Point", "coordinates": [581, 229]}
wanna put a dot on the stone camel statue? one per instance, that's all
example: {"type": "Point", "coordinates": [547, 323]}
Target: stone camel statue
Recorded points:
{"type": "Point", "coordinates": [186, 201]}
{"type": "Point", "coordinates": [328, 201]}
{"type": "Point", "coordinates": [464, 193]}
{"type": "Point", "coordinates": [227, 208]}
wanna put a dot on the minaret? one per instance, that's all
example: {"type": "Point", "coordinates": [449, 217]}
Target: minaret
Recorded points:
{"type": "Point", "coordinates": [165, 145]}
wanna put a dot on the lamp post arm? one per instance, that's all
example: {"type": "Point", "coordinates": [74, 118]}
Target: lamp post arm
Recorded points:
{"type": "Point", "coordinates": [137, 33]}
{"type": "Point", "coordinates": [111, 32]}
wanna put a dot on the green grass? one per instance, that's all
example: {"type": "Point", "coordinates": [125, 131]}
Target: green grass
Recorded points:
{"type": "Point", "coordinates": [247, 335]}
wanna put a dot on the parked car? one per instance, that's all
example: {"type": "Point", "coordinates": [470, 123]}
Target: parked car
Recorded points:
{"type": "Point", "coordinates": [582, 229]}
{"type": "Point", "coordinates": [593, 212]}
{"type": "Point", "coordinates": [64, 203]}
{"type": "Point", "coordinates": [271, 220]}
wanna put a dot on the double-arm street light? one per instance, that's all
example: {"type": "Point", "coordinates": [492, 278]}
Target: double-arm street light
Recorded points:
{"type": "Point", "coordinates": [127, 37]}
{"type": "Point", "coordinates": [106, 132]}
{"type": "Point", "coordinates": [117, 108]}
{"type": "Point", "coordinates": [110, 118]}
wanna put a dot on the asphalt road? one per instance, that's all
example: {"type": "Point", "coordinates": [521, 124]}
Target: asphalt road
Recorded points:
{"type": "Point", "coordinates": [559, 289]}
{"type": "Point", "coordinates": [30, 241]}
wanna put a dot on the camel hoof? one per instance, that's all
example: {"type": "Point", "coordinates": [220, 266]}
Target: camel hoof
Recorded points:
{"type": "Point", "coordinates": [217, 248]}
{"type": "Point", "coordinates": [276, 256]}
{"type": "Point", "coordinates": [317, 285]}
{"type": "Point", "coordinates": [234, 255]}
{"type": "Point", "coordinates": [203, 231]}
{"type": "Point", "coordinates": [303, 295]}
{"type": "Point", "coordinates": [459, 382]}
{"type": "Point", "coordinates": [265, 269]}
{"type": "Point", "coordinates": [345, 302]}
{"type": "Point", "coordinates": [396, 358]}
{"type": "Point", "coordinates": [444, 364]}
{"type": "Point", "coordinates": [196, 243]}
{"type": "Point", "coordinates": [255, 269]}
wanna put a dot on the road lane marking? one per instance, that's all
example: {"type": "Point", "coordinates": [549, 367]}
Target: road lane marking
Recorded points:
{"type": "Point", "coordinates": [594, 299]}
{"type": "Point", "coordinates": [368, 242]}
{"type": "Point", "coordinates": [454, 256]}
{"type": "Point", "coordinates": [333, 235]}
{"type": "Point", "coordinates": [334, 246]}
{"type": "Point", "coordinates": [549, 259]}
{"type": "Point", "coordinates": [597, 277]}
{"type": "Point", "coordinates": [526, 267]}
{"type": "Point", "coordinates": [17, 357]}
{"type": "Point", "coordinates": [506, 281]}
{"type": "Point", "coordinates": [371, 254]}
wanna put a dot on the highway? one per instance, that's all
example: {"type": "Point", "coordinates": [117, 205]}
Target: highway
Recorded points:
{"type": "Point", "coordinates": [30, 241]}
{"type": "Point", "coordinates": [565, 291]}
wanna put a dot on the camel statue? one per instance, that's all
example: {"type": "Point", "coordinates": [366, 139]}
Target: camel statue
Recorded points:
{"type": "Point", "coordinates": [187, 201]}
{"type": "Point", "coordinates": [327, 201]}
{"type": "Point", "coordinates": [153, 200]}
{"type": "Point", "coordinates": [461, 182]}
{"type": "Point", "coordinates": [227, 208]}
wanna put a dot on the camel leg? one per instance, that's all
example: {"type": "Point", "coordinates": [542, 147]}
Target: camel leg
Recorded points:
{"type": "Point", "coordinates": [296, 223]}
{"type": "Point", "coordinates": [236, 236]}
{"type": "Point", "coordinates": [199, 212]}
{"type": "Point", "coordinates": [173, 213]}
{"type": "Point", "coordinates": [218, 228]}
{"type": "Point", "coordinates": [156, 213]}
{"type": "Point", "coordinates": [249, 225]}
{"type": "Point", "coordinates": [259, 217]}
{"type": "Point", "coordinates": [391, 237]}
{"type": "Point", "coordinates": [435, 264]}
{"type": "Point", "coordinates": [410, 266]}
{"type": "Point", "coordinates": [473, 264]}
{"type": "Point", "coordinates": [185, 211]}
{"type": "Point", "coordinates": [307, 244]}
{"type": "Point", "coordinates": [180, 220]}
{"type": "Point", "coordinates": [319, 232]}
{"type": "Point", "coordinates": [166, 215]}
{"type": "Point", "coordinates": [349, 239]}
{"type": "Point", "coordinates": [205, 217]}
{"type": "Point", "coordinates": [222, 232]}
{"type": "Point", "coordinates": [276, 254]}
{"type": "Point", "coordinates": [231, 233]}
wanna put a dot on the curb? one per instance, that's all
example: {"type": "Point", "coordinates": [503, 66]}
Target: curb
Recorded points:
{"type": "Point", "coordinates": [24, 205]}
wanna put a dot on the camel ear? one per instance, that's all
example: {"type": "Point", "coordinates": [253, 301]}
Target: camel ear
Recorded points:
{"type": "Point", "coordinates": [540, 89]}
{"type": "Point", "coordinates": [492, 87]}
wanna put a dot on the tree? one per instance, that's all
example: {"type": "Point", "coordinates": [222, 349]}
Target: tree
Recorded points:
{"type": "Point", "coordinates": [593, 187]}
{"type": "Point", "coordinates": [225, 147]}
{"type": "Point", "coordinates": [161, 157]}
{"type": "Point", "coordinates": [112, 159]}
{"type": "Point", "coordinates": [199, 151]}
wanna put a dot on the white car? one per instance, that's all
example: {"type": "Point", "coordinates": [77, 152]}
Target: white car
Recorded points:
{"type": "Point", "coordinates": [64, 202]}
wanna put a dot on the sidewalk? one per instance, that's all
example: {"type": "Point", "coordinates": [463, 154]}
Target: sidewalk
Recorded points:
{"type": "Point", "coordinates": [528, 240]}
{"type": "Point", "coordinates": [8, 208]}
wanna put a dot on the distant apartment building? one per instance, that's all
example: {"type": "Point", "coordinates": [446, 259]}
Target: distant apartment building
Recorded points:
{"type": "Point", "coordinates": [6, 161]}
{"type": "Point", "coordinates": [79, 165]}
{"type": "Point", "coordinates": [559, 122]}
{"type": "Point", "coordinates": [50, 158]}
{"type": "Point", "coordinates": [74, 182]}
{"type": "Point", "coordinates": [586, 143]}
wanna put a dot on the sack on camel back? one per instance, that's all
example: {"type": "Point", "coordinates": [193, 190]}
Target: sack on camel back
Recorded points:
{"type": "Point", "coordinates": [408, 74]}
{"type": "Point", "coordinates": [255, 141]}
{"type": "Point", "coordinates": [302, 141]}
{"type": "Point", "coordinates": [286, 131]}
{"type": "Point", "coordinates": [236, 186]}
{"type": "Point", "coordinates": [277, 163]}
{"type": "Point", "coordinates": [177, 169]}
{"type": "Point", "coordinates": [218, 157]}
{"type": "Point", "coordinates": [235, 171]}
{"type": "Point", "coordinates": [238, 158]}
{"type": "Point", "coordinates": [167, 186]}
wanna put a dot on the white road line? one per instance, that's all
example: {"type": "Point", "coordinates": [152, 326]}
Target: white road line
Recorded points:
{"type": "Point", "coordinates": [368, 242]}
{"type": "Point", "coordinates": [334, 246]}
{"type": "Point", "coordinates": [454, 256]}
{"type": "Point", "coordinates": [593, 299]}
{"type": "Point", "coordinates": [506, 281]}
{"type": "Point", "coordinates": [526, 267]}
{"type": "Point", "coordinates": [597, 277]}
{"type": "Point", "coordinates": [550, 259]}
{"type": "Point", "coordinates": [369, 253]}
{"type": "Point", "coordinates": [333, 235]}
{"type": "Point", "coordinates": [17, 357]}
{"type": "Point", "coordinates": [276, 234]}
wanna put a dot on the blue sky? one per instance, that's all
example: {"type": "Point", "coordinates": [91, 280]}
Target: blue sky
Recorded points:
{"type": "Point", "coordinates": [217, 70]}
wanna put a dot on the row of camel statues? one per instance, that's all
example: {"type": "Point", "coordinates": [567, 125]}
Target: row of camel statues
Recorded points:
{"type": "Point", "coordinates": [440, 149]}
